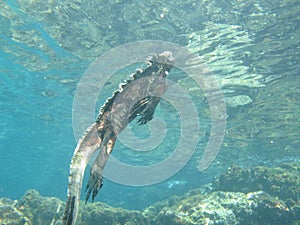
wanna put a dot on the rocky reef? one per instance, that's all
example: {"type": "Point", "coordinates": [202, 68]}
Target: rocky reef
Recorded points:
{"type": "Point", "coordinates": [257, 195]}
{"type": "Point", "coordinates": [283, 181]}
{"type": "Point", "coordinates": [10, 214]}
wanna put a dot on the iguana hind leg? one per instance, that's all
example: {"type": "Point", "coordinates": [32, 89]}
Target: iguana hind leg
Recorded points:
{"type": "Point", "coordinates": [96, 174]}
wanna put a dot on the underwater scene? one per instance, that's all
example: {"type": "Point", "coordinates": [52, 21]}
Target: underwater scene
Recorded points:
{"type": "Point", "coordinates": [150, 112]}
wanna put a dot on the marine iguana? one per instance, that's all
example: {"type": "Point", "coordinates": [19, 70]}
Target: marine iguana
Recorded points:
{"type": "Point", "coordinates": [137, 97]}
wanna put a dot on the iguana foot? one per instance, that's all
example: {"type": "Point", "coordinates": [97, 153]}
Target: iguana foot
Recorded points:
{"type": "Point", "coordinates": [94, 184]}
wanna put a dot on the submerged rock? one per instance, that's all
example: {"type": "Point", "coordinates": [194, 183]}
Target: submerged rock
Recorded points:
{"type": "Point", "coordinates": [33, 209]}
{"type": "Point", "coordinates": [9, 214]}
{"type": "Point", "coordinates": [238, 100]}
{"type": "Point", "coordinates": [40, 210]}
{"type": "Point", "coordinates": [282, 181]}
{"type": "Point", "coordinates": [99, 213]}
{"type": "Point", "coordinates": [225, 208]}
{"type": "Point", "coordinates": [258, 195]}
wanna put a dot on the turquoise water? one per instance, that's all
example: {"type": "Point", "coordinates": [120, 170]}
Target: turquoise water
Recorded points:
{"type": "Point", "coordinates": [252, 48]}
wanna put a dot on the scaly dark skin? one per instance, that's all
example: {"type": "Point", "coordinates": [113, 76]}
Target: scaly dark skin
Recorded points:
{"type": "Point", "coordinates": [137, 97]}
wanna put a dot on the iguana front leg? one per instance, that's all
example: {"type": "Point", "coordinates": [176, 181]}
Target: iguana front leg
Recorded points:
{"type": "Point", "coordinates": [144, 108]}
{"type": "Point", "coordinates": [148, 112]}
{"type": "Point", "coordinates": [96, 174]}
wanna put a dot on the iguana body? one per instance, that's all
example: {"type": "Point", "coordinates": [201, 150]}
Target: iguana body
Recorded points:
{"type": "Point", "coordinates": [137, 97]}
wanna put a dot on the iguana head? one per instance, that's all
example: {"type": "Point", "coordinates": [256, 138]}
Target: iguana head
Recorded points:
{"type": "Point", "coordinates": [164, 61]}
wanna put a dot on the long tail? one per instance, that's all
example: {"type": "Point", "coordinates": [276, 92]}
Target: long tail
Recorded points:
{"type": "Point", "coordinates": [86, 147]}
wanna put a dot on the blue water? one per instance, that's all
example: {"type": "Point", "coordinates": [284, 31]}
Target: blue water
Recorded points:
{"type": "Point", "coordinates": [43, 57]}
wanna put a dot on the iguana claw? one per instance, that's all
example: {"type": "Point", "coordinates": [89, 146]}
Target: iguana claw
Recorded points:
{"type": "Point", "coordinates": [94, 184]}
